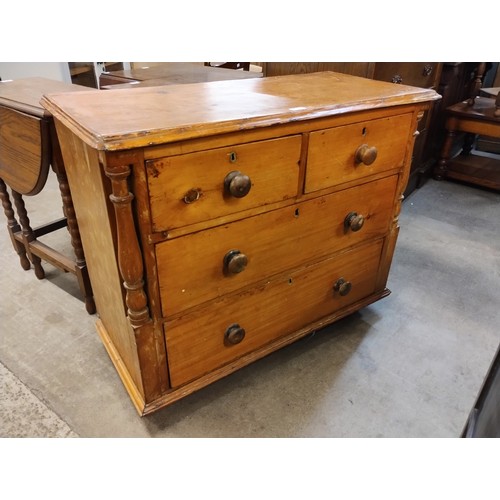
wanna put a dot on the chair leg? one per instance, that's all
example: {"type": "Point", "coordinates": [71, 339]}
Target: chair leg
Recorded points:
{"type": "Point", "coordinates": [441, 167]}
{"type": "Point", "coordinates": [468, 144]}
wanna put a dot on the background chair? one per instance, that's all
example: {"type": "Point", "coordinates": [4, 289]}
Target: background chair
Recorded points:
{"type": "Point", "coordinates": [245, 66]}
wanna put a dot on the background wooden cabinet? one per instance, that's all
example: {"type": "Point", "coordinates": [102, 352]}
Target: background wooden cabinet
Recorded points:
{"type": "Point", "coordinates": [363, 69]}
{"type": "Point", "coordinates": [416, 74]}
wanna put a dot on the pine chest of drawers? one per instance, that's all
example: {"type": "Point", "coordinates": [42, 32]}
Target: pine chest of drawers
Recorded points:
{"type": "Point", "coordinates": [222, 221]}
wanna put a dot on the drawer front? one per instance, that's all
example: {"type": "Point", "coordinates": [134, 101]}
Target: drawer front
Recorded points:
{"type": "Point", "coordinates": [204, 265]}
{"type": "Point", "coordinates": [195, 187]}
{"type": "Point", "coordinates": [200, 342]}
{"type": "Point", "coordinates": [347, 153]}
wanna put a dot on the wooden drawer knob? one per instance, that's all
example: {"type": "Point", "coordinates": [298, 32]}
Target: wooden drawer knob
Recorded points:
{"type": "Point", "coordinates": [234, 334]}
{"type": "Point", "coordinates": [366, 154]}
{"type": "Point", "coordinates": [342, 286]}
{"type": "Point", "coordinates": [235, 262]}
{"type": "Point", "coordinates": [354, 221]}
{"type": "Point", "coordinates": [237, 184]}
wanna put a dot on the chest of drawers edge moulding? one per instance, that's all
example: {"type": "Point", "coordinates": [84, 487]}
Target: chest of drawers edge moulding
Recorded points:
{"type": "Point", "coordinates": [116, 145]}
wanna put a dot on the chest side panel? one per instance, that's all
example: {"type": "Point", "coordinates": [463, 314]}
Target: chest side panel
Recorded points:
{"type": "Point", "coordinates": [90, 193]}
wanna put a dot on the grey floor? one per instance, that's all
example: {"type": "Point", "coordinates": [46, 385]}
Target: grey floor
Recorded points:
{"type": "Point", "coordinates": [410, 365]}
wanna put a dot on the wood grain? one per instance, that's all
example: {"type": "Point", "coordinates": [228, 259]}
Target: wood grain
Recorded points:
{"type": "Point", "coordinates": [168, 141]}
{"type": "Point", "coordinates": [170, 73]}
{"type": "Point", "coordinates": [95, 215]}
{"type": "Point", "coordinates": [118, 119]}
{"type": "Point", "coordinates": [24, 151]}
{"type": "Point", "coordinates": [196, 341]}
{"type": "Point", "coordinates": [331, 157]}
{"type": "Point", "coordinates": [273, 168]}
{"type": "Point", "coordinates": [288, 68]}
{"type": "Point", "coordinates": [24, 94]}
{"type": "Point", "coordinates": [190, 268]}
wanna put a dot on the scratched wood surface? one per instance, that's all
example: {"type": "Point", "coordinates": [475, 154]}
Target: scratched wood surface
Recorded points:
{"type": "Point", "coordinates": [118, 119]}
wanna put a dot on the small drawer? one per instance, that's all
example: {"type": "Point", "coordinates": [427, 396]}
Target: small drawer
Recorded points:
{"type": "Point", "coordinates": [347, 153]}
{"type": "Point", "coordinates": [211, 337]}
{"type": "Point", "coordinates": [196, 187]}
{"type": "Point", "coordinates": [204, 265]}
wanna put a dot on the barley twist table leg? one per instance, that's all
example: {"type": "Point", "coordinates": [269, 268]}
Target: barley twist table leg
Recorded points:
{"type": "Point", "coordinates": [76, 242]}
{"type": "Point", "coordinates": [28, 234]}
{"type": "Point", "coordinates": [13, 226]}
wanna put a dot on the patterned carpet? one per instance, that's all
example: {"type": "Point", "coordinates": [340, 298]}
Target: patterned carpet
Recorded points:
{"type": "Point", "coordinates": [23, 414]}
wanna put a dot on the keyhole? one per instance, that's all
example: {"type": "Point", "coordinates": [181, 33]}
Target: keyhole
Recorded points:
{"type": "Point", "coordinates": [364, 131]}
{"type": "Point", "coordinates": [297, 212]}
{"type": "Point", "coordinates": [232, 157]}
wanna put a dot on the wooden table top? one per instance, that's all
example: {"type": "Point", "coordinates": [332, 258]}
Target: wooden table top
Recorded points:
{"type": "Point", "coordinates": [482, 109]}
{"type": "Point", "coordinates": [180, 72]}
{"type": "Point", "coordinates": [174, 80]}
{"type": "Point", "coordinates": [24, 94]}
{"type": "Point", "coordinates": [490, 91]}
{"type": "Point", "coordinates": [121, 119]}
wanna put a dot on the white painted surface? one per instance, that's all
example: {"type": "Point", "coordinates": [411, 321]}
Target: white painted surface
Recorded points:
{"type": "Point", "coordinates": [53, 70]}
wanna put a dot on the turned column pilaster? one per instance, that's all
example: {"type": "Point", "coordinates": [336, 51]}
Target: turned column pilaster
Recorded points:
{"type": "Point", "coordinates": [129, 252]}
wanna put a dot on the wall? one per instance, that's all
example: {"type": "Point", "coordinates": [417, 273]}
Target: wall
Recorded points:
{"type": "Point", "coordinates": [53, 70]}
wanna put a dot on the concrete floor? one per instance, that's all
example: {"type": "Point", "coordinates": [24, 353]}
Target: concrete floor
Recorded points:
{"type": "Point", "coordinates": [410, 365]}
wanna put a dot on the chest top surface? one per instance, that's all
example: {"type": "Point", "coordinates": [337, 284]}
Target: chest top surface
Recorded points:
{"type": "Point", "coordinates": [118, 119]}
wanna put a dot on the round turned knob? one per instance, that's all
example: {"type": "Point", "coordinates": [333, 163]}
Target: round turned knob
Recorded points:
{"type": "Point", "coordinates": [354, 221]}
{"type": "Point", "coordinates": [234, 334]}
{"type": "Point", "coordinates": [235, 262]}
{"type": "Point", "coordinates": [342, 286]}
{"type": "Point", "coordinates": [366, 154]}
{"type": "Point", "coordinates": [237, 184]}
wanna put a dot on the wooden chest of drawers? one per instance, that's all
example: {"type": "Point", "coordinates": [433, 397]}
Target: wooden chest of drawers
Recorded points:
{"type": "Point", "coordinates": [222, 221]}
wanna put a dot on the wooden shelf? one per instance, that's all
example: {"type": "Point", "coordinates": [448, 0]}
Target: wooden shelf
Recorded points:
{"type": "Point", "coordinates": [480, 169]}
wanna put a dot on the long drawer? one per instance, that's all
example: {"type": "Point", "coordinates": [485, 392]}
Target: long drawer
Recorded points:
{"type": "Point", "coordinates": [351, 152]}
{"type": "Point", "coordinates": [213, 336]}
{"type": "Point", "coordinates": [201, 266]}
{"type": "Point", "coordinates": [201, 186]}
